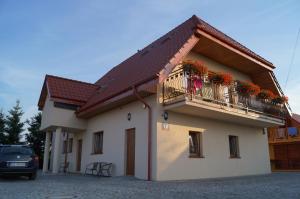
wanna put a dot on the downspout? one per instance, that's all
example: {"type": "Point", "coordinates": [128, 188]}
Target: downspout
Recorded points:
{"type": "Point", "coordinates": [149, 130]}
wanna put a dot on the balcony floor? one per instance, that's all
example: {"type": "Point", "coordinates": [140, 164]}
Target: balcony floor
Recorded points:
{"type": "Point", "coordinates": [222, 112]}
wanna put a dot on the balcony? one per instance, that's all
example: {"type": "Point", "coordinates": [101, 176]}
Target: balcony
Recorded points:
{"type": "Point", "coordinates": [180, 93]}
{"type": "Point", "coordinates": [282, 135]}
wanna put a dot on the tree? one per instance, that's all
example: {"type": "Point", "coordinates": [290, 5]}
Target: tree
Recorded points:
{"type": "Point", "coordinates": [36, 138]}
{"type": "Point", "coordinates": [13, 125]}
{"type": "Point", "coordinates": [2, 125]}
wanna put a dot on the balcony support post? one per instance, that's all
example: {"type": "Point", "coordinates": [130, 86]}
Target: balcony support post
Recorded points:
{"type": "Point", "coordinates": [56, 150]}
{"type": "Point", "coordinates": [46, 152]}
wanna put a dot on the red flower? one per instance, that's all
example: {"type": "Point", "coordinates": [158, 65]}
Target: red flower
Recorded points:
{"type": "Point", "coordinates": [280, 100]}
{"type": "Point", "coordinates": [197, 65]}
{"type": "Point", "coordinates": [227, 79]}
{"type": "Point", "coordinates": [253, 88]}
{"type": "Point", "coordinates": [248, 88]}
{"type": "Point", "coordinates": [221, 78]}
{"type": "Point", "coordinates": [266, 94]}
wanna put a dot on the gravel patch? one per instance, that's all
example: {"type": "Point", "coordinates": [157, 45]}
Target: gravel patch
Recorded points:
{"type": "Point", "coordinates": [274, 186]}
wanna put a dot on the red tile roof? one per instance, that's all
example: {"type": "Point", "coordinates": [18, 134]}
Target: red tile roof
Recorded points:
{"type": "Point", "coordinates": [147, 63]}
{"type": "Point", "coordinates": [68, 90]}
{"type": "Point", "coordinates": [143, 66]}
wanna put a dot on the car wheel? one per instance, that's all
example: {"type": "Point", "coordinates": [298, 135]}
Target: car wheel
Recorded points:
{"type": "Point", "coordinates": [32, 176]}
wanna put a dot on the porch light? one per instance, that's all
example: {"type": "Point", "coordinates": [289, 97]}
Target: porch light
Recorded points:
{"type": "Point", "coordinates": [165, 115]}
{"type": "Point", "coordinates": [129, 116]}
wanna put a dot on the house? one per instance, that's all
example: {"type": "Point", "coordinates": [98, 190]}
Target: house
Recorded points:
{"type": "Point", "coordinates": [184, 107]}
{"type": "Point", "coordinates": [284, 145]}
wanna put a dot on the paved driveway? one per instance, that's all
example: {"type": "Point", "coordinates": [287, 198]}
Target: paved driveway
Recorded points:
{"type": "Point", "coordinates": [277, 185]}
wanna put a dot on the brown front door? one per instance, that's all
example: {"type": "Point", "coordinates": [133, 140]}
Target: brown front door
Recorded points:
{"type": "Point", "coordinates": [130, 151]}
{"type": "Point", "coordinates": [79, 151]}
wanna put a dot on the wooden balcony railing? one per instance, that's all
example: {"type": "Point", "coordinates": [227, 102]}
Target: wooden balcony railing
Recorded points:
{"type": "Point", "coordinates": [180, 83]}
{"type": "Point", "coordinates": [281, 135]}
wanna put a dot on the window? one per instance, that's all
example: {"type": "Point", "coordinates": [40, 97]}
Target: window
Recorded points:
{"type": "Point", "coordinates": [12, 150]}
{"type": "Point", "coordinates": [195, 144]}
{"type": "Point", "coordinates": [65, 106]}
{"type": "Point", "coordinates": [65, 145]}
{"type": "Point", "coordinates": [98, 143]}
{"type": "Point", "coordinates": [70, 145]}
{"type": "Point", "coordinates": [234, 146]}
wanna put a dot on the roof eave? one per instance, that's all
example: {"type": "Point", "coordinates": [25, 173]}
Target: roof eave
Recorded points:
{"type": "Point", "coordinates": [85, 111]}
{"type": "Point", "coordinates": [43, 95]}
{"type": "Point", "coordinates": [267, 65]}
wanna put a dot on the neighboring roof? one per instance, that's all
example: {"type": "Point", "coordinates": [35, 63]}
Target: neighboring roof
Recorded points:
{"type": "Point", "coordinates": [142, 67]}
{"type": "Point", "coordinates": [67, 90]}
{"type": "Point", "coordinates": [296, 117]}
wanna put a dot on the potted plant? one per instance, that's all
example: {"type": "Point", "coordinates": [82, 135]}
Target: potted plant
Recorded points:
{"type": "Point", "coordinates": [248, 88]}
{"type": "Point", "coordinates": [280, 100]}
{"type": "Point", "coordinates": [195, 72]}
{"type": "Point", "coordinates": [243, 88]}
{"type": "Point", "coordinates": [220, 80]}
{"type": "Point", "coordinates": [224, 79]}
{"type": "Point", "coordinates": [253, 89]}
{"type": "Point", "coordinates": [195, 66]}
{"type": "Point", "coordinates": [265, 95]}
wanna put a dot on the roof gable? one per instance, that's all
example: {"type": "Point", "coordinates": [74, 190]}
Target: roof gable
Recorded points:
{"type": "Point", "coordinates": [66, 90]}
{"type": "Point", "coordinates": [147, 63]}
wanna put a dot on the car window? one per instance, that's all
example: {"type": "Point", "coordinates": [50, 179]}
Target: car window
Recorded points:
{"type": "Point", "coordinates": [16, 149]}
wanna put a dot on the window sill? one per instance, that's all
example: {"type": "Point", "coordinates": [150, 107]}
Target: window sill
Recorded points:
{"type": "Point", "coordinates": [234, 157]}
{"type": "Point", "coordinates": [96, 153]}
{"type": "Point", "coordinates": [196, 156]}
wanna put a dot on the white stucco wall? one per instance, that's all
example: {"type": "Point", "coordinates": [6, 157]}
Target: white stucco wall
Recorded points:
{"type": "Point", "coordinates": [53, 116]}
{"type": "Point", "coordinates": [114, 124]}
{"type": "Point", "coordinates": [170, 157]}
{"type": "Point", "coordinates": [173, 162]}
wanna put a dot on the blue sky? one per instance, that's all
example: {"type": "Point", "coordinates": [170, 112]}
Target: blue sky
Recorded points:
{"type": "Point", "coordinates": [84, 39]}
